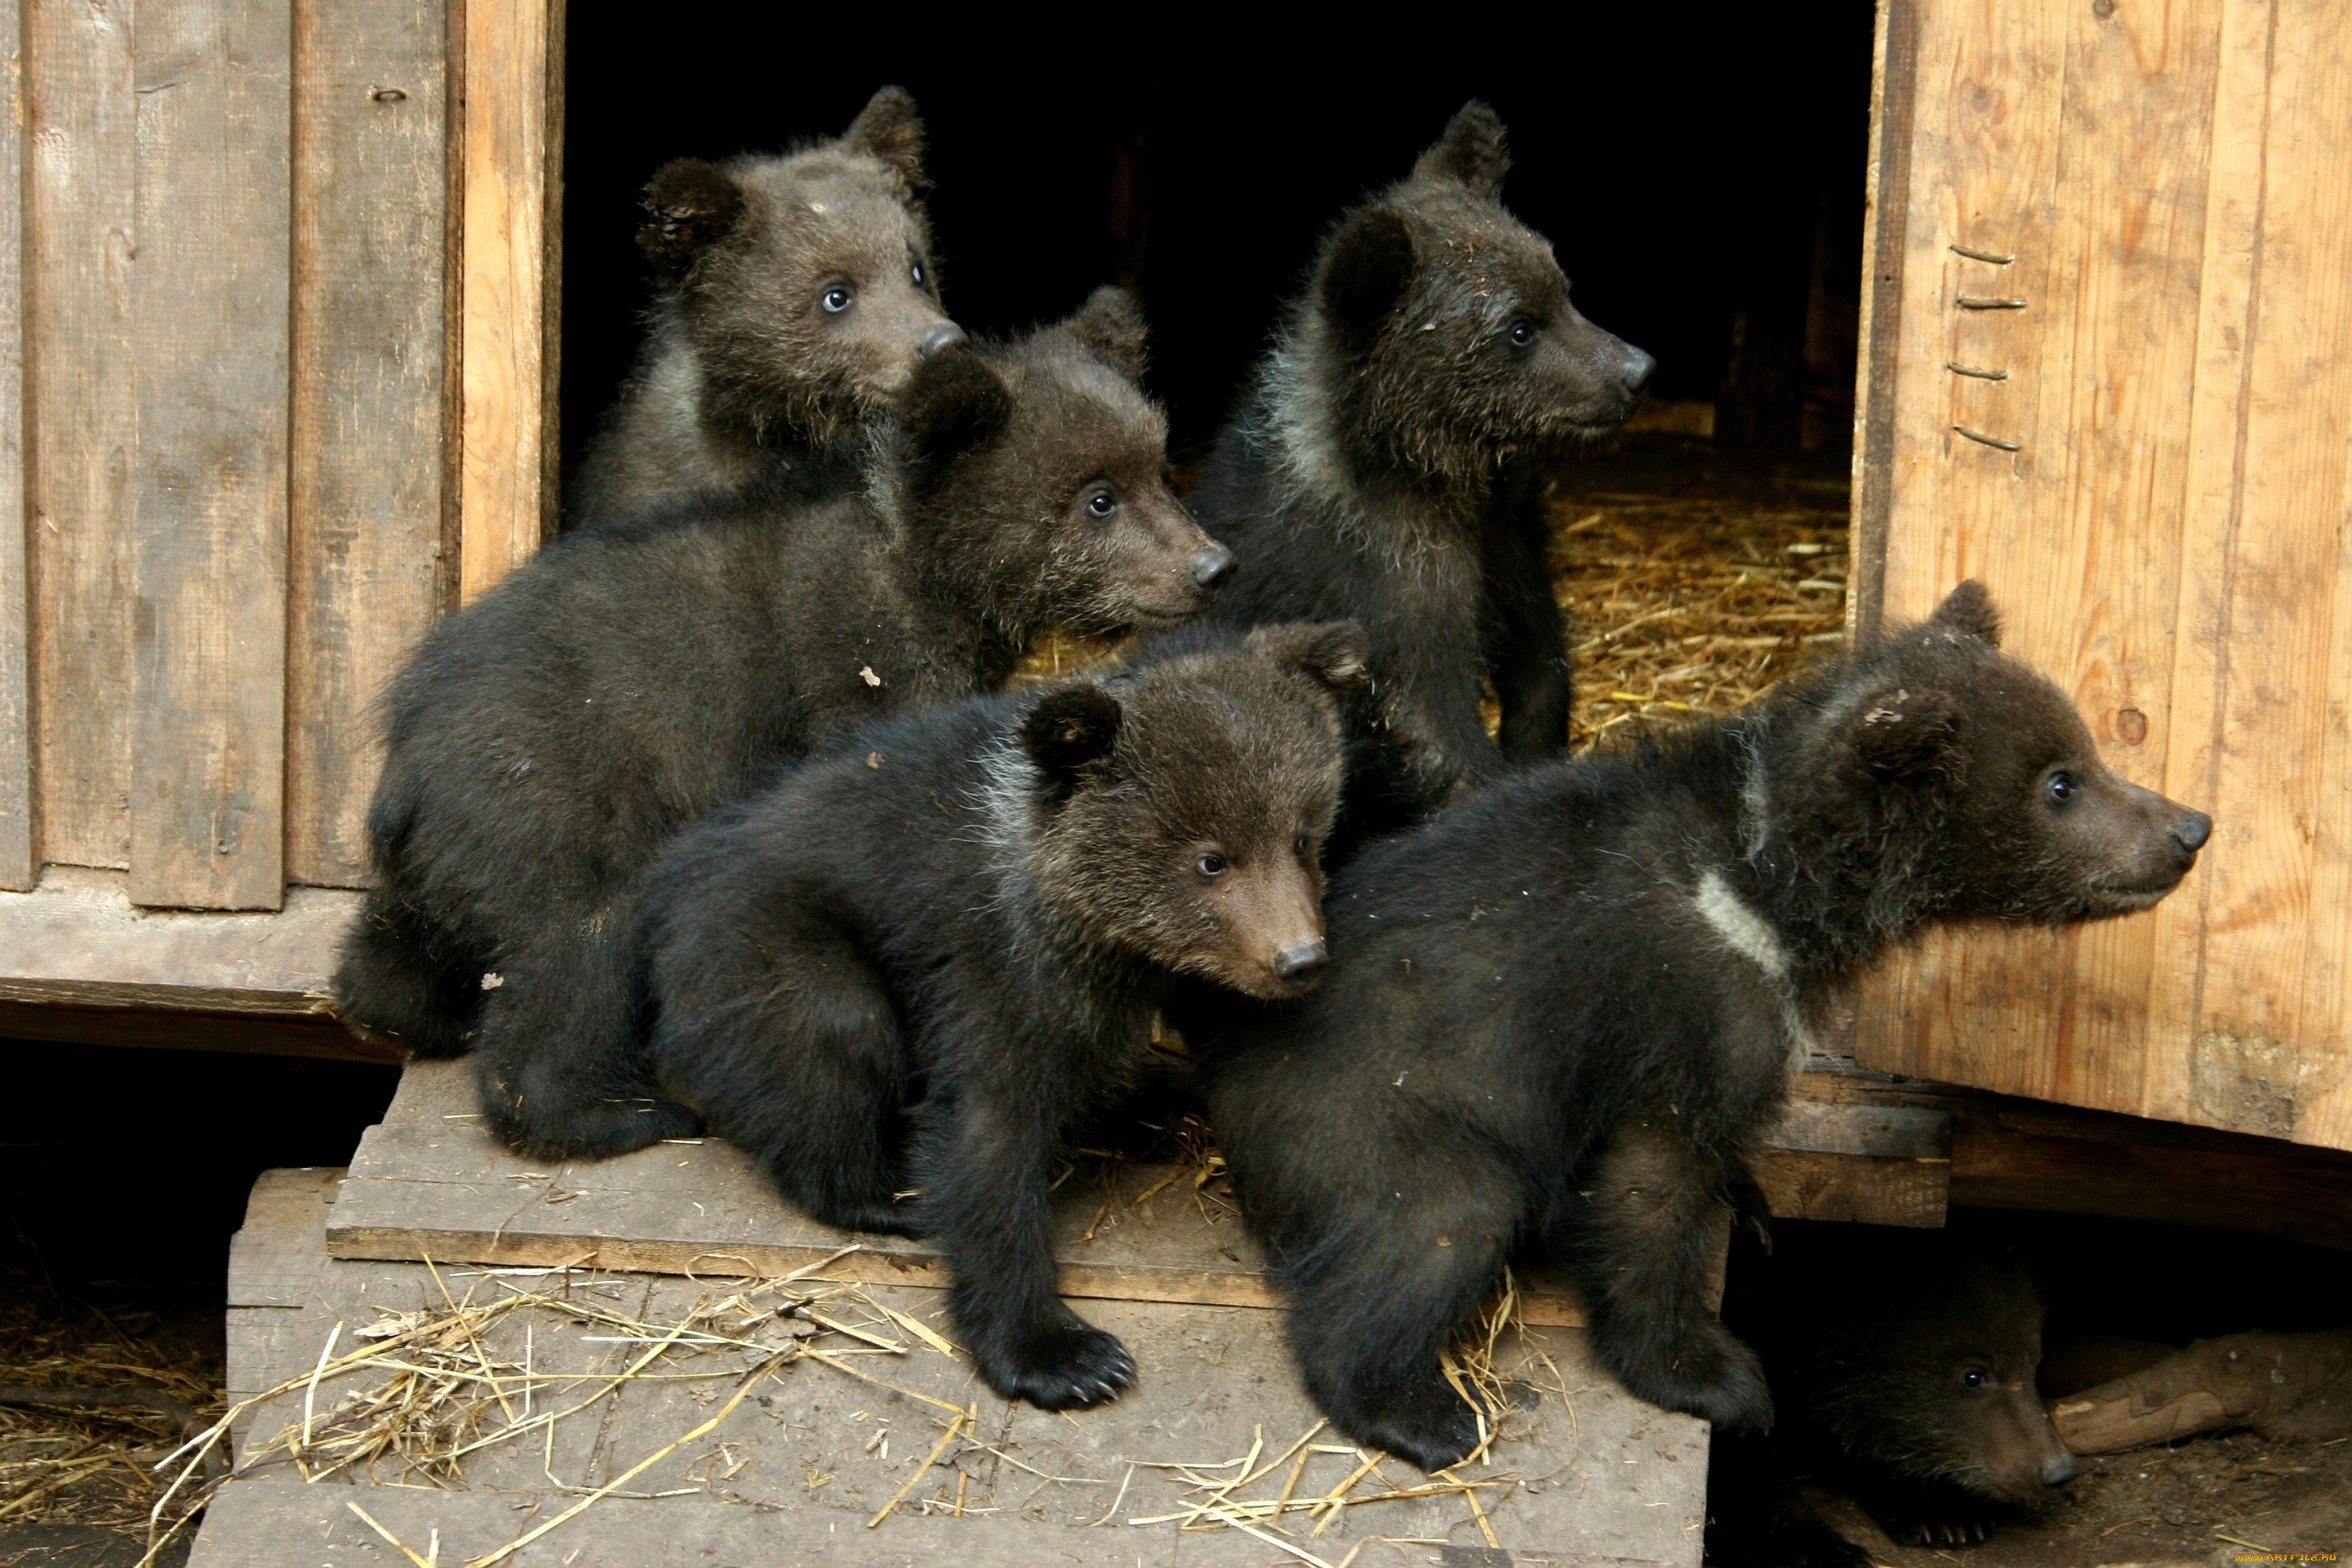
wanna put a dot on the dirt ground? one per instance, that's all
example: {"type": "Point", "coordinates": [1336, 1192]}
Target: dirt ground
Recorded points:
{"type": "Point", "coordinates": [2224, 1498]}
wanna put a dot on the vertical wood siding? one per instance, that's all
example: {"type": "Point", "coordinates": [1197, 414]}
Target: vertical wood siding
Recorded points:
{"type": "Point", "coordinates": [2171, 184]}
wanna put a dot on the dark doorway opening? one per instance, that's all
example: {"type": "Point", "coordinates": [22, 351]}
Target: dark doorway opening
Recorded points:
{"type": "Point", "coordinates": [1700, 173]}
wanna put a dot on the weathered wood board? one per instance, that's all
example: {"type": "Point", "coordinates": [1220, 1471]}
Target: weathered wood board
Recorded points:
{"type": "Point", "coordinates": [2111, 371]}
{"type": "Point", "coordinates": [19, 858]}
{"type": "Point", "coordinates": [1585, 1473]}
{"type": "Point", "coordinates": [208, 533]}
{"type": "Point", "coordinates": [368, 569]}
{"type": "Point", "coordinates": [429, 1181]}
{"type": "Point", "coordinates": [78, 940]}
{"type": "Point", "coordinates": [82, 388]}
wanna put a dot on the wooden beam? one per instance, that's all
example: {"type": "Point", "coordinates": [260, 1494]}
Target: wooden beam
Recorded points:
{"type": "Point", "coordinates": [210, 313]}
{"type": "Point", "coordinates": [78, 940]}
{"type": "Point", "coordinates": [1895, 67]}
{"type": "Point", "coordinates": [19, 852]}
{"type": "Point", "coordinates": [513, 162]}
{"type": "Point", "coordinates": [151, 1028]}
{"type": "Point", "coordinates": [82, 395]}
{"type": "Point", "coordinates": [370, 193]}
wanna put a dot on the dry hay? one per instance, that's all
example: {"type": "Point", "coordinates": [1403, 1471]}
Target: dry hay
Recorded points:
{"type": "Point", "coordinates": [138, 1385]}
{"type": "Point", "coordinates": [1682, 600]}
{"type": "Point", "coordinates": [430, 1392]}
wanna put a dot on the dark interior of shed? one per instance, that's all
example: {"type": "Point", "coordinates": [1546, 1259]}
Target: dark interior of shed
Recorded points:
{"type": "Point", "coordinates": [1700, 173]}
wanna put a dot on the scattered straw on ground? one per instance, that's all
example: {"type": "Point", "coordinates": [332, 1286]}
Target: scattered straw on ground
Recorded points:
{"type": "Point", "coordinates": [136, 1384]}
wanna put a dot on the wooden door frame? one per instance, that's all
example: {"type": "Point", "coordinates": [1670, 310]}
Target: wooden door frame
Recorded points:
{"type": "Point", "coordinates": [509, 251]}
{"type": "Point", "coordinates": [1894, 72]}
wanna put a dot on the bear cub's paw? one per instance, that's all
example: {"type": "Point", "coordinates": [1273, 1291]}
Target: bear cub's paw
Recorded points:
{"type": "Point", "coordinates": [1429, 1424]}
{"type": "Point", "coordinates": [1710, 1374]}
{"type": "Point", "coordinates": [1943, 1527]}
{"type": "Point", "coordinates": [1061, 1364]}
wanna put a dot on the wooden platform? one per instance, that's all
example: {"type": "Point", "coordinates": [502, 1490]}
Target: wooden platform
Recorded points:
{"type": "Point", "coordinates": [1583, 1473]}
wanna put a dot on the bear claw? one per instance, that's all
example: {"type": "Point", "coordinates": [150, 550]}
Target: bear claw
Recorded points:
{"type": "Point", "coordinates": [1066, 1367]}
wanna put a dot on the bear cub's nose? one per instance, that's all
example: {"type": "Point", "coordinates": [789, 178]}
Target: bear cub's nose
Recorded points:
{"type": "Point", "coordinates": [937, 336]}
{"type": "Point", "coordinates": [1299, 960]}
{"type": "Point", "coordinates": [2192, 831]}
{"type": "Point", "coordinates": [1212, 567]}
{"type": "Point", "coordinates": [2059, 1468]}
{"type": "Point", "coordinates": [1637, 371]}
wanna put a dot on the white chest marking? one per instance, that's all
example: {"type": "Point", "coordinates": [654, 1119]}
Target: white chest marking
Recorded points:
{"type": "Point", "coordinates": [1742, 930]}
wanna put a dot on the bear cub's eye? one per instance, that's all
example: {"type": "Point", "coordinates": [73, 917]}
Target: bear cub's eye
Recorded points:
{"type": "Point", "coordinates": [916, 272]}
{"type": "Point", "coordinates": [836, 298]}
{"type": "Point", "coordinates": [1305, 846]}
{"type": "Point", "coordinates": [2062, 787]}
{"type": "Point", "coordinates": [1975, 1377]}
{"type": "Point", "coordinates": [1102, 503]}
{"type": "Point", "coordinates": [1211, 866]}
{"type": "Point", "coordinates": [1523, 333]}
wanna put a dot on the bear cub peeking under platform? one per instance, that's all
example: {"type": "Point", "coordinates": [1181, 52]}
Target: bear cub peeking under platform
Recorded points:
{"type": "Point", "coordinates": [548, 738]}
{"type": "Point", "coordinates": [1383, 467]}
{"type": "Point", "coordinates": [794, 295]}
{"type": "Point", "coordinates": [1902, 1365]}
{"type": "Point", "coordinates": [911, 966]}
{"type": "Point", "coordinates": [1563, 1014]}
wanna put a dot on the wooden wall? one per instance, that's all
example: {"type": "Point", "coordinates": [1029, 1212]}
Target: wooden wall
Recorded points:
{"type": "Point", "coordinates": [224, 397]}
{"type": "Point", "coordinates": [2110, 333]}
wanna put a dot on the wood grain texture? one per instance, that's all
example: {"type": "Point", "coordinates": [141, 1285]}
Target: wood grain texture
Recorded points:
{"type": "Point", "coordinates": [512, 147]}
{"type": "Point", "coordinates": [152, 1028]}
{"type": "Point", "coordinates": [1887, 196]}
{"type": "Point", "coordinates": [77, 940]}
{"type": "Point", "coordinates": [370, 205]}
{"type": "Point", "coordinates": [19, 851]}
{"type": "Point", "coordinates": [210, 313]}
{"type": "Point", "coordinates": [2176, 190]}
{"type": "Point", "coordinates": [82, 412]}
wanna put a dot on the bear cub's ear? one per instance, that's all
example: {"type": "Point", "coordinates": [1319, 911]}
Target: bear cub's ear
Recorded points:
{"type": "Point", "coordinates": [1968, 609]}
{"type": "Point", "coordinates": [1336, 652]}
{"type": "Point", "coordinates": [1110, 325]}
{"type": "Point", "coordinates": [1474, 150]}
{"type": "Point", "coordinates": [1067, 730]}
{"type": "Point", "coordinates": [955, 403]}
{"type": "Point", "coordinates": [688, 204]}
{"type": "Point", "coordinates": [1369, 267]}
{"type": "Point", "coordinates": [1908, 737]}
{"type": "Point", "coordinates": [888, 128]}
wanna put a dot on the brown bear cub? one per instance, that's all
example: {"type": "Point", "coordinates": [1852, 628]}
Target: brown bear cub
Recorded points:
{"type": "Point", "coordinates": [1366, 474]}
{"type": "Point", "coordinates": [912, 965]}
{"type": "Point", "coordinates": [796, 295]}
{"type": "Point", "coordinates": [1915, 1391]}
{"type": "Point", "coordinates": [1563, 1014]}
{"type": "Point", "coordinates": [545, 740]}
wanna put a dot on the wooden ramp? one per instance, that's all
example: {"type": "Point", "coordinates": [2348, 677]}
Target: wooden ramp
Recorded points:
{"type": "Point", "coordinates": [856, 1399]}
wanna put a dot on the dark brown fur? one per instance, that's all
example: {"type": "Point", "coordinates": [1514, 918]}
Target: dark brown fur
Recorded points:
{"type": "Point", "coordinates": [1369, 472]}
{"type": "Point", "coordinates": [547, 739]}
{"type": "Point", "coordinates": [913, 965]}
{"type": "Point", "coordinates": [744, 360]}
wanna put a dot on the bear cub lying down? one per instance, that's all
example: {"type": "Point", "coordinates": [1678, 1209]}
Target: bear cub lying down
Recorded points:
{"type": "Point", "coordinates": [1917, 1395]}
{"type": "Point", "coordinates": [911, 965]}
{"type": "Point", "coordinates": [1564, 1012]}
{"type": "Point", "coordinates": [548, 738]}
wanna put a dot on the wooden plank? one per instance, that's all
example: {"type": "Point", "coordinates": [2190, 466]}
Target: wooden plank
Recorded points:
{"type": "Point", "coordinates": [1614, 1475]}
{"type": "Point", "coordinates": [2269, 1049]}
{"type": "Point", "coordinates": [431, 1182]}
{"type": "Point", "coordinates": [1852, 1189]}
{"type": "Point", "coordinates": [210, 291]}
{"type": "Point", "coordinates": [19, 852]}
{"type": "Point", "coordinates": [513, 150]}
{"type": "Point", "coordinates": [369, 204]}
{"type": "Point", "coordinates": [79, 942]}
{"type": "Point", "coordinates": [153, 1028]}
{"type": "Point", "coordinates": [1887, 202]}
{"type": "Point", "coordinates": [82, 412]}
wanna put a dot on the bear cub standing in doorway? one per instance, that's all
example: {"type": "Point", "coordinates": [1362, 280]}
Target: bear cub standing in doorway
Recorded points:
{"type": "Point", "coordinates": [796, 295]}
{"type": "Point", "coordinates": [911, 965]}
{"type": "Point", "coordinates": [1565, 1012]}
{"type": "Point", "coordinates": [1382, 468]}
